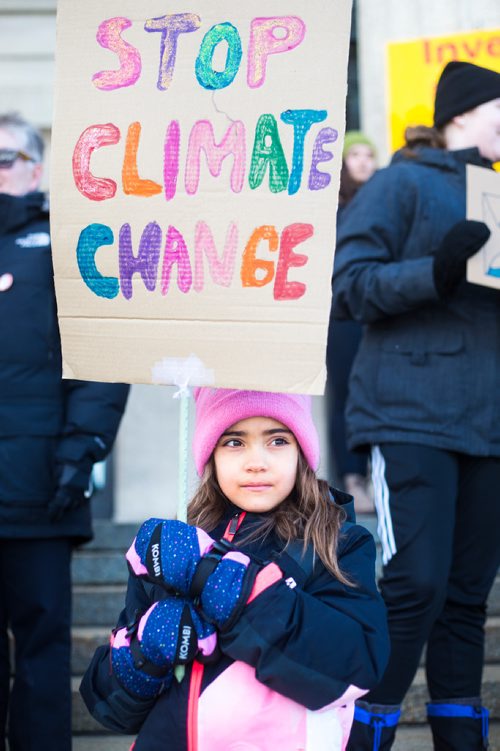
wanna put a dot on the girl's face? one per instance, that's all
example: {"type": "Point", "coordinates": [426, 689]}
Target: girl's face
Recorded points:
{"type": "Point", "coordinates": [256, 463]}
{"type": "Point", "coordinates": [360, 161]}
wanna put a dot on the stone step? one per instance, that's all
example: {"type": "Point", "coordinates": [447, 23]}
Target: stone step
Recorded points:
{"type": "Point", "coordinates": [102, 742]}
{"type": "Point", "coordinates": [492, 647]}
{"type": "Point", "coordinates": [86, 639]}
{"type": "Point", "coordinates": [113, 540]}
{"type": "Point", "coordinates": [414, 704]}
{"type": "Point", "coordinates": [413, 707]}
{"type": "Point", "coordinates": [84, 642]}
{"type": "Point", "coordinates": [82, 720]}
{"type": "Point", "coordinates": [494, 598]}
{"type": "Point", "coordinates": [97, 605]}
{"type": "Point", "coordinates": [99, 567]}
{"type": "Point", "coordinates": [110, 535]}
{"type": "Point", "coordinates": [408, 738]}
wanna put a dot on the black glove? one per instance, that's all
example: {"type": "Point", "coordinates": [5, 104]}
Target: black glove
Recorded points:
{"type": "Point", "coordinates": [450, 260]}
{"type": "Point", "coordinates": [74, 489]}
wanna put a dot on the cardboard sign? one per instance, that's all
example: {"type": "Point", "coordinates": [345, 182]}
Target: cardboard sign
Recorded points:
{"type": "Point", "coordinates": [414, 67]}
{"type": "Point", "coordinates": [195, 169]}
{"type": "Point", "coordinates": [483, 204]}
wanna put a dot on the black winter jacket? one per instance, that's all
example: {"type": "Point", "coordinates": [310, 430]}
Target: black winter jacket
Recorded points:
{"type": "Point", "coordinates": [45, 422]}
{"type": "Point", "coordinates": [319, 644]}
{"type": "Point", "coordinates": [427, 371]}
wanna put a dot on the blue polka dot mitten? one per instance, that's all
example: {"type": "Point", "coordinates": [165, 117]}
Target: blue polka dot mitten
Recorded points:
{"type": "Point", "coordinates": [226, 581]}
{"type": "Point", "coordinates": [170, 633]}
{"type": "Point", "coordinates": [213, 575]}
{"type": "Point", "coordinates": [167, 552]}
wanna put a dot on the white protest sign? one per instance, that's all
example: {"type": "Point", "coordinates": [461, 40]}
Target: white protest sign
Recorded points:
{"type": "Point", "coordinates": [195, 169]}
{"type": "Point", "coordinates": [483, 204]}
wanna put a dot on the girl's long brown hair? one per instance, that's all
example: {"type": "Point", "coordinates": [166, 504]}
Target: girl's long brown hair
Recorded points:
{"type": "Point", "coordinates": [308, 514]}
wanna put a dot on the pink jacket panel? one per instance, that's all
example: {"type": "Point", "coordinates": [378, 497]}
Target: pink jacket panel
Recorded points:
{"type": "Point", "coordinates": [238, 713]}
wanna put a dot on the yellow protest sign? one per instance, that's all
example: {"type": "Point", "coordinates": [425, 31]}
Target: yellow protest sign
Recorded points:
{"type": "Point", "coordinates": [195, 173]}
{"type": "Point", "coordinates": [413, 69]}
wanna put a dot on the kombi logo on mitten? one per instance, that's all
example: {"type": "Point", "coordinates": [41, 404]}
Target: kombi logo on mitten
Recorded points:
{"type": "Point", "coordinates": [185, 638]}
{"type": "Point", "coordinates": [153, 555]}
{"type": "Point", "coordinates": [187, 644]}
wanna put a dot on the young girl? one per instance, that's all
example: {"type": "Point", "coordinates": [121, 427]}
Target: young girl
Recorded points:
{"type": "Point", "coordinates": [268, 597]}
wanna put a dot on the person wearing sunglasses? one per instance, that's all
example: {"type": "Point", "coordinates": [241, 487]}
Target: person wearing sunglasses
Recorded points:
{"type": "Point", "coordinates": [51, 433]}
{"type": "Point", "coordinates": [20, 168]}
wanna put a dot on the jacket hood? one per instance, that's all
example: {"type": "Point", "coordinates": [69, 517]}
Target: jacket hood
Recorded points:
{"type": "Point", "coordinates": [441, 158]}
{"type": "Point", "coordinates": [18, 211]}
{"type": "Point", "coordinates": [346, 502]}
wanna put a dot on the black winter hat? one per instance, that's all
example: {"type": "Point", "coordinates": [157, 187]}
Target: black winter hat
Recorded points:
{"type": "Point", "coordinates": [461, 87]}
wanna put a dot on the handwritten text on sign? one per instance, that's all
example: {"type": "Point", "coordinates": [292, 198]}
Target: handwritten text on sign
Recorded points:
{"type": "Point", "coordinates": [266, 166]}
{"type": "Point", "coordinates": [195, 165]}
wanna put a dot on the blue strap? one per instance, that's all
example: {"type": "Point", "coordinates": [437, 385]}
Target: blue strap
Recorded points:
{"type": "Point", "coordinates": [378, 721]}
{"type": "Point", "coordinates": [388, 720]}
{"type": "Point", "coordinates": [461, 710]}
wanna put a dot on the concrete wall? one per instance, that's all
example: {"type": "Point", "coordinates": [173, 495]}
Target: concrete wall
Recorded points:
{"type": "Point", "coordinates": [381, 21]}
{"type": "Point", "coordinates": [27, 44]}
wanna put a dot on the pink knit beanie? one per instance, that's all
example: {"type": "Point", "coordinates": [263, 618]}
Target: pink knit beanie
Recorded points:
{"type": "Point", "coordinates": [218, 409]}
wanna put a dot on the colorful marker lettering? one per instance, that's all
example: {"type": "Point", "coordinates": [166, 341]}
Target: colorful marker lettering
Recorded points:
{"type": "Point", "coordinates": [90, 240]}
{"type": "Point", "coordinates": [208, 77]}
{"type": "Point", "coordinates": [291, 236]}
{"type": "Point", "coordinates": [171, 159]}
{"type": "Point", "coordinates": [251, 264]}
{"type": "Point", "coordinates": [301, 121]}
{"type": "Point", "coordinates": [265, 153]}
{"type": "Point", "coordinates": [109, 36]}
{"type": "Point", "coordinates": [202, 138]}
{"type": "Point", "coordinates": [146, 261]}
{"type": "Point", "coordinates": [221, 270]}
{"type": "Point", "coordinates": [264, 42]}
{"type": "Point", "coordinates": [176, 252]}
{"type": "Point", "coordinates": [170, 27]}
{"type": "Point", "coordinates": [92, 138]}
{"type": "Point", "coordinates": [133, 185]}
{"type": "Point", "coordinates": [317, 179]}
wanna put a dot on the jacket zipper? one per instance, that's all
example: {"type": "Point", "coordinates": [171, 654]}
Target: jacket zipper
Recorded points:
{"type": "Point", "coordinates": [234, 525]}
{"type": "Point", "coordinates": [197, 668]}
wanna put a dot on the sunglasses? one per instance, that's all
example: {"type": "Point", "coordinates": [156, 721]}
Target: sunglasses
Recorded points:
{"type": "Point", "coordinates": [9, 156]}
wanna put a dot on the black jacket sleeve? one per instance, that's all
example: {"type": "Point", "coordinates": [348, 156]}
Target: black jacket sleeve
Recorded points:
{"type": "Point", "coordinates": [107, 701]}
{"type": "Point", "coordinates": [372, 278]}
{"type": "Point", "coordinates": [312, 644]}
{"type": "Point", "coordinates": [92, 414]}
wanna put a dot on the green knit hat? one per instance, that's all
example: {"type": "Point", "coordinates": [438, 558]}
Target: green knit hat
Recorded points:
{"type": "Point", "coordinates": [353, 137]}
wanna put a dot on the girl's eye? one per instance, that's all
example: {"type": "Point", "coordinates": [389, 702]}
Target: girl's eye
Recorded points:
{"type": "Point", "coordinates": [279, 441]}
{"type": "Point", "coordinates": [232, 443]}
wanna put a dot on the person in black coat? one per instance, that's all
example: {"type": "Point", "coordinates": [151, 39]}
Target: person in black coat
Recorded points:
{"type": "Point", "coordinates": [52, 431]}
{"type": "Point", "coordinates": [423, 394]}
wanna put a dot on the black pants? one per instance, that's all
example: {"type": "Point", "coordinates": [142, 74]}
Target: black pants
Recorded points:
{"type": "Point", "coordinates": [439, 515]}
{"type": "Point", "coordinates": [35, 601]}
